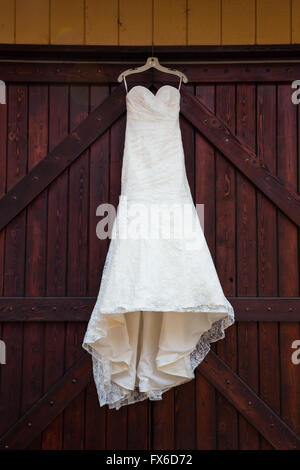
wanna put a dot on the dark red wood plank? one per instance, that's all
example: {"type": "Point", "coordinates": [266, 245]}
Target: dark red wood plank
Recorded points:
{"type": "Point", "coordinates": [249, 404]}
{"type": "Point", "coordinates": [206, 195]}
{"type": "Point", "coordinates": [267, 251]}
{"type": "Point", "coordinates": [246, 256]}
{"type": "Point", "coordinates": [288, 254]}
{"type": "Point", "coordinates": [163, 422]}
{"type": "Point", "coordinates": [12, 334]}
{"type": "Point", "coordinates": [227, 418]}
{"type": "Point", "coordinates": [95, 416]}
{"type": "Point", "coordinates": [33, 351]}
{"type": "Point", "coordinates": [52, 438]}
{"type": "Point", "coordinates": [185, 403]}
{"type": "Point", "coordinates": [60, 158]}
{"type": "Point", "coordinates": [77, 263]}
{"type": "Point", "coordinates": [188, 138]}
{"type": "Point", "coordinates": [116, 419]}
{"type": "Point", "coordinates": [219, 134]}
{"type": "Point", "coordinates": [60, 72]}
{"type": "Point", "coordinates": [53, 402]}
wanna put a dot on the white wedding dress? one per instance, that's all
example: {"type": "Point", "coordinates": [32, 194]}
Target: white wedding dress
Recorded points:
{"type": "Point", "coordinates": [160, 302]}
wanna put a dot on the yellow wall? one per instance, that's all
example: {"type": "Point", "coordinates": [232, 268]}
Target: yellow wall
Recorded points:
{"type": "Point", "coordinates": [143, 22]}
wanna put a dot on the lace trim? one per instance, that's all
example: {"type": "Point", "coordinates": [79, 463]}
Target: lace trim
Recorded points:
{"type": "Point", "coordinates": [116, 396]}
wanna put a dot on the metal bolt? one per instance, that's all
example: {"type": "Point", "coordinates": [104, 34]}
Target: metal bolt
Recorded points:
{"type": "Point", "coordinates": [32, 308]}
{"type": "Point", "coordinates": [6, 446]}
{"type": "Point", "coordinates": [247, 309]}
{"type": "Point", "coordinates": [269, 308]}
{"type": "Point", "coordinates": [249, 403]}
{"type": "Point", "coordinates": [227, 381]}
{"type": "Point", "coordinates": [290, 309]}
{"type": "Point", "coordinates": [272, 425]}
{"type": "Point", "coordinates": [74, 381]}
{"type": "Point", "coordinates": [29, 425]}
{"type": "Point", "coordinates": [10, 308]}
{"type": "Point", "coordinates": [51, 403]}
{"type": "Point", "coordinates": [14, 197]}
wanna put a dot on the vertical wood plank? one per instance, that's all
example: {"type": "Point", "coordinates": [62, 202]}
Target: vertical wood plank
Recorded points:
{"type": "Point", "coordinates": [116, 419]}
{"type": "Point", "coordinates": [188, 139]}
{"type": "Point", "coordinates": [205, 194]}
{"type": "Point", "coordinates": [204, 22]}
{"type": "Point", "coordinates": [67, 22]}
{"type": "Point", "coordinates": [227, 422]}
{"type": "Point", "coordinates": [77, 263]}
{"type": "Point", "coordinates": [7, 22]}
{"type": "Point", "coordinates": [12, 333]}
{"type": "Point", "coordinates": [33, 351]}
{"type": "Point", "coordinates": [238, 22]}
{"type": "Point", "coordinates": [135, 23]}
{"type": "Point", "coordinates": [295, 21]}
{"type": "Point", "coordinates": [267, 251]}
{"type": "Point", "coordinates": [169, 23]}
{"type": "Point", "coordinates": [273, 22]}
{"type": "Point", "coordinates": [32, 28]}
{"type": "Point", "coordinates": [185, 410]}
{"type": "Point", "coordinates": [246, 257]}
{"type": "Point", "coordinates": [138, 419]}
{"type": "Point", "coordinates": [52, 438]}
{"type": "Point", "coordinates": [288, 254]}
{"type": "Point", "coordinates": [163, 422]}
{"type": "Point", "coordinates": [101, 22]}
{"type": "Point", "coordinates": [95, 417]}
{"type": "Point", "coordinates": [3, 169]}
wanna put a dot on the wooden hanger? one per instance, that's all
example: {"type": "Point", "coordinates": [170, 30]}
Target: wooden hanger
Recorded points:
{"type": "Point", "coordinates": [152, 62]}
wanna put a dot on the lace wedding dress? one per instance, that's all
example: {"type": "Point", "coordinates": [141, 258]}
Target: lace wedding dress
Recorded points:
{"type": "Point", "coordinates": [160, 302]}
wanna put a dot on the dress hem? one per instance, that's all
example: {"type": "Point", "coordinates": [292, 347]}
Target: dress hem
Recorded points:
{"type": "Point", "coordinates": [115, 396]}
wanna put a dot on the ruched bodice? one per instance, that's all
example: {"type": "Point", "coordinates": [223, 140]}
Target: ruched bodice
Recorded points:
{"type": "Point", "coordinates": [153, 161]}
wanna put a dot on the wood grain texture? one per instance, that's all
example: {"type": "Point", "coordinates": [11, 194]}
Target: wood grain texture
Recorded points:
{"type": "Point", "coordinates": [101, 22]}
{"type": "Point", "coordinates": [7, 22]}
{"type": "Point", "coordinates": [246, 257]}
{"type": "Point", "coordinates": [67, 22]}
{"type": "Point", "coordinates": [51, 272]}
{"type": "Point", "coordinates": [169, 22]}
{"type": "Point", "coordinates": [238, 22]}
{"type": "Point", "coordinates": [204, 22]}
{"type": "Point", "coordinates": [205, 193]}
{"type": "Point", "coordinates": [177, 22]}
{"type": "Point", "coordinates": [273, 21]}
{"type": "Point", "coordinates": [32, 21]}
{"type": "Point", "coordinates": [135, 24]}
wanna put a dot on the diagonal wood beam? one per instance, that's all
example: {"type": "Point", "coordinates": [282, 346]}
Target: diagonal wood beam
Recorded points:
{"type": "Point", "coordinates": [50, 405]}
{"type": "Point", "coordinates": [248, 403]}
{"type": "Point", "coordinates": [62, 156]}
{"type": "Point", "coordinates": [216, 132]}
{"type": "Point", "coordinates": [214, 369]}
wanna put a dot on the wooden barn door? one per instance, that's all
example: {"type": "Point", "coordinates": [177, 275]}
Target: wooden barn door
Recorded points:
{"type": "Point", "coordinates": [61, 142]}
